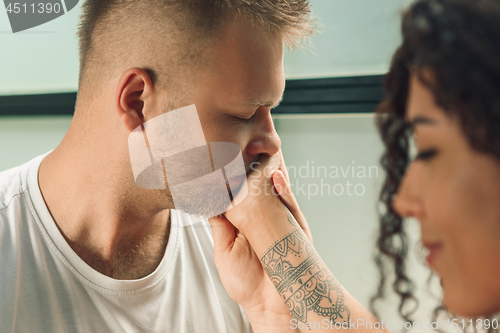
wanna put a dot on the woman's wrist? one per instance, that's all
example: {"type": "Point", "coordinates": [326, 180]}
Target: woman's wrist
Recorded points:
{"type": "Point", "coordinates": [270, 322]}
{"type": "Point", "coordinates": [265, 229]}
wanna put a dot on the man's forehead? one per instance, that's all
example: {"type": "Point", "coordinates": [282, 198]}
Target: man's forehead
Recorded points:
{"type": "Point", "coordinates": [247, 69]}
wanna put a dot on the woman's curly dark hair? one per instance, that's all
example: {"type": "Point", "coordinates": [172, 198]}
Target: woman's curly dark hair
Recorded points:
{"type": "Point", "coordinates": [459, 42]}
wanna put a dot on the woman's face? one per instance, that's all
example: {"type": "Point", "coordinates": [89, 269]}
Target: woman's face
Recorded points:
{"type": "Point", "coordinates": [454, 191]}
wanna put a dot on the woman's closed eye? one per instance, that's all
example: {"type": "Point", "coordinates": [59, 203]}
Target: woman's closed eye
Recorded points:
{"type": "Point", "coordinates": [426, 155]}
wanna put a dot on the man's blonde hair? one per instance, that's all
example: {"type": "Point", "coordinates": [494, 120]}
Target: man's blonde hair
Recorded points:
{"type": "Point", "coordinates": [169, 37]}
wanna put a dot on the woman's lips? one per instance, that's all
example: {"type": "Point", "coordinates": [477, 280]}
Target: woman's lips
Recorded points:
{"type": "Point", "coordinates": [434, 250]}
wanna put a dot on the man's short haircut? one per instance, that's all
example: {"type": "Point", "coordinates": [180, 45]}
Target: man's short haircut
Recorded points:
{"type": "Point", "coordinates": [169, 37]}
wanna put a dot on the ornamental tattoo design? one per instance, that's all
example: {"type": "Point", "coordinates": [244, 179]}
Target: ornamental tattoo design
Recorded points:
{"type": "Point", "coordinates": [306, 286]}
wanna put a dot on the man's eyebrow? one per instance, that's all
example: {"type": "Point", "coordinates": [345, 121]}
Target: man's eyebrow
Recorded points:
{"type": "Point", "coordinates": [421, 120]}
{"type": "Point", "coordinates": [260, 103]}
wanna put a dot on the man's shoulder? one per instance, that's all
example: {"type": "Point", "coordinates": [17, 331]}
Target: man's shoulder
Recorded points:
{"type": "Point", "coordinates": [11, 184]}
{"type": "Point", "coordinates": [12, 188]}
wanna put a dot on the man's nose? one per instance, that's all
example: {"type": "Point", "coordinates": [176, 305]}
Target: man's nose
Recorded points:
{"type": "Point", "coordinates": [264, 139]}
{"type": "Point", "coordinates": [407, 202]}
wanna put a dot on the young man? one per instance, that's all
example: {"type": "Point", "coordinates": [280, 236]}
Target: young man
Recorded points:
{"type": "Point", "coordinates": [82, 247]}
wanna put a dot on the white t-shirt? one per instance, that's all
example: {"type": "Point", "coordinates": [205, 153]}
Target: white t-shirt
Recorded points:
{"type": "Point", "coordinates": [46, 287]}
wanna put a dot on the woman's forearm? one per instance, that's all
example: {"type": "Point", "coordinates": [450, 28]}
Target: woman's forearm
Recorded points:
{"type": "Point", "coordinates": [315, 299]}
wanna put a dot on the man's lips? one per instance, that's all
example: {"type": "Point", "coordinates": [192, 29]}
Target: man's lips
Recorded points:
{"type": "Point", "coordinates": [237, 181]}
{"type": "Point", "coordinates": [434, 251]}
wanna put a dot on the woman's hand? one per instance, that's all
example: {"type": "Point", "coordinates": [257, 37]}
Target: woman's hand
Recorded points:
{"type": "Point", "coordinates": [245, 281]}
{"type": "Point", "coordinates": [282, 187]}
{"type": "Point", "coordinates": [269, 199]}
{"type": "Point", "coordinates": [239, 266]}
{"type": "Point", "coordinates": [269, 232]}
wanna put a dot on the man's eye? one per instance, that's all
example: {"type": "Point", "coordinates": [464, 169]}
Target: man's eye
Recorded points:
{"type": "Point", "coordinates": [426, 155]}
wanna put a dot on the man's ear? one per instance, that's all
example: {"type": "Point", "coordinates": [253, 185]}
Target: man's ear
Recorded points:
{"type": "Point", "coordinates": [135, 98]}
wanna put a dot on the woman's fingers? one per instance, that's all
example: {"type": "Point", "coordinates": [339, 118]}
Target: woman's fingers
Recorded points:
{"type": "Point", "coordinates": [224, 234]}
{"type": "Point", "coordinates": [283, 189]}
{"type": "Point", "coordinates": [283, 167]}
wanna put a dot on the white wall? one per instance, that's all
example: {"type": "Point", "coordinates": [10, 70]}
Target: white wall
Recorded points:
{"type": "Point", "coordinates": [43, 59]}
{"type": "Point", "coordinates": [357, 37]}
{"type": "Point", "coordinates": [23, 138]}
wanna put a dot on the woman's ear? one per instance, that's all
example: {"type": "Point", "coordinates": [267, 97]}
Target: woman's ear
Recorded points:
{"type": "Point", "coordinates": [135, 98]}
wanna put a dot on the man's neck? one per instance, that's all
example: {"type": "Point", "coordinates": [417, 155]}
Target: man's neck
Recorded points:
{"type": "Point", "coordinates": [117, 228]}
{"type": "Point", "coordinates": [130, 260]}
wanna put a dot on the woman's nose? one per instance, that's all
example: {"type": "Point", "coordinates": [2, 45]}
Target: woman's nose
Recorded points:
{"type": "Point", "coordinates": [407, 202]}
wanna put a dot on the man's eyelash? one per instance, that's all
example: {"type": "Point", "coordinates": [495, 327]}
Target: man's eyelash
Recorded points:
{"type": "Point", "coordinates": [242, 120]}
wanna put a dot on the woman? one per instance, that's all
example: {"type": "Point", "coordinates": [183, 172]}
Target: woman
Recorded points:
{"type": "Point", "coordinates": [443, 91]}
